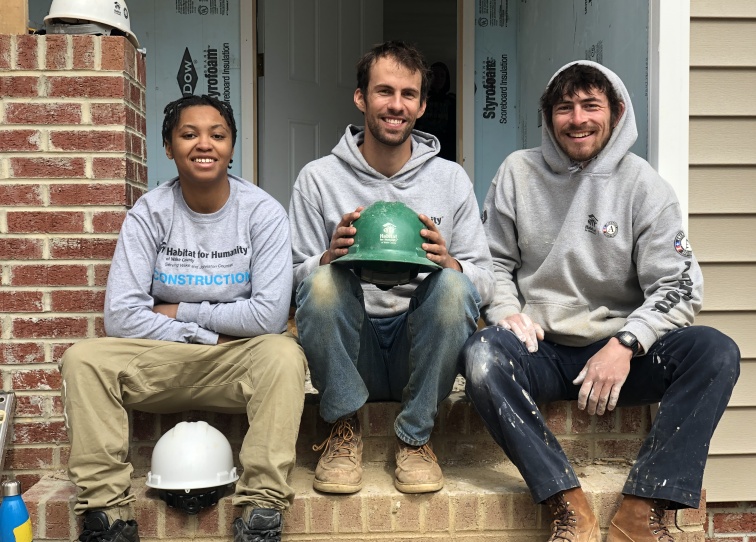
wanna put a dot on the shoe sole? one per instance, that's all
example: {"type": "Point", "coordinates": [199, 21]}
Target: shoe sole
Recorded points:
{"type": "Point", "coordinates": [418, 488]}
{"type": "Point", "coordinates": [329, 487]}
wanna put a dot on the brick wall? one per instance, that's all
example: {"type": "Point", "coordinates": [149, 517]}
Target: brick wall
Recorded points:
{"type": "Point", "coordinates": [731, 522]}
{"type": "Point", "coordinates": [72, 160]}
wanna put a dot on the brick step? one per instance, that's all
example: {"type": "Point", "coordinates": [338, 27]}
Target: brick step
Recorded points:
{"type": "Point", "coordinates": [478, 503]}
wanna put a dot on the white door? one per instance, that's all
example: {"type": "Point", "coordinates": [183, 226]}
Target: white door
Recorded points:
{"type": "Point", "coordinates": [310, 50]}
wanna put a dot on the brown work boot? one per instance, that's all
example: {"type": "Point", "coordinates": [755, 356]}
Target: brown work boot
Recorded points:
{"type": "Point", "coordinates": [573, 517]}
{"type": "Point", "coordinates": [417, 469]}
{"type": "Point", "coordinates": [339, 468]}
{"type": "Point", "coordinates": [639, 520]}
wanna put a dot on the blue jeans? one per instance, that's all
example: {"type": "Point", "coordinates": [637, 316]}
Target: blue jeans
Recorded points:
{"type": "Point", "coordinates": [691, 371]}
{"type": "Point", "coordinates": [411, 357]}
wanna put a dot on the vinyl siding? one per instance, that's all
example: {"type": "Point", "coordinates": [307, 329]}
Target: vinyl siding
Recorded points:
{"type": "Point", "coordinates": [722, 222]}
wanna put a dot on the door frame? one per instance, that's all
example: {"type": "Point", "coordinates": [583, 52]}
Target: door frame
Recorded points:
{"type": "Point", "coordinates": [668, 90]}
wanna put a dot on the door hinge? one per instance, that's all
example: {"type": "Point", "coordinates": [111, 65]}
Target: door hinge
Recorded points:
{"type": "Point", "coordinates": [260, 64]}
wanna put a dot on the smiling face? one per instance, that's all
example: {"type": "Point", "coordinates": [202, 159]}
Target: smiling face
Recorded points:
{"type": "Point", "coordinates": [392, 103]}
{"type": "Point", "coordinates": [201, 145]}
{"type": "Point", "coordinates": [582, 123]}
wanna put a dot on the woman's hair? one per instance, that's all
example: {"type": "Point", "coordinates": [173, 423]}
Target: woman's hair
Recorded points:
{"type": "Point", "coordinates": [173, 114]}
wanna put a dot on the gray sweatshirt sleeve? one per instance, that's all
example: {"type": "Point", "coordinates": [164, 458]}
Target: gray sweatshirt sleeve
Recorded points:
{"type": "Point", "coordinates": [669, 276]}
{"type": "Point", "coordinates": [267, 310]}
{"type": "Point", "coordinates": [501, 232]}
{"type": "Point", "coordinates": [128, 302]}
{"type": "Point", "coordinates": [469, 247]}
{"type": "Point", "coordinates": [309, 238]}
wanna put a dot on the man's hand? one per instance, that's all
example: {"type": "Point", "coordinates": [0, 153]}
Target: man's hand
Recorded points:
{"type": "Point", "coordinates": [168, 309]}
{"type": "Point", "coordinates": [436, 246]}
{"type": "Point", "coordinates": [343, 237]}
{"type": "Point", "coordinates": [603, 377]}
{"type": "Point", "coordinates": [526, 330]}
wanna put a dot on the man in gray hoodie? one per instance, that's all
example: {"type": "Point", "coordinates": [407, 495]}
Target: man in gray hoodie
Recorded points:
{"type": "Point", "coordinates": [596, 291]}
{"type": "Point", "coordinates": [363, 343]}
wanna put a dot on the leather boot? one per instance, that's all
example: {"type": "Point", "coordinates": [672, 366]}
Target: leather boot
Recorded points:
{"type": "Point", "coordinates": [339, 469]}
{"type": "Point", "coordinates": [639, 520]}
{"type": "Point", "coordinates": [573, 518]}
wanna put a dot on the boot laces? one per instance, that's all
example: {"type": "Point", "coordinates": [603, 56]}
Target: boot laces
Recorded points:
{"type": "Point", "coordinates": [424, 451]}
{"type": "Point", "coordinates": [656, 522]}
{"type": "Point", "coordinates": [342, 441]}
{"type": "Point", "coordinates": [564, 524]}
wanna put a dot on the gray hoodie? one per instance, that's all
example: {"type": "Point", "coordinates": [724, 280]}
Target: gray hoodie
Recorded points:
{"type": "Point", "coordinates": [229, 271]}
{"type": "Point", "coordinates": [337, 184]}
{"type": "Point", "coordinates": [589, 252]}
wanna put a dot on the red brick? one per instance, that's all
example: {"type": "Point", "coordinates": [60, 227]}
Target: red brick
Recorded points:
{"type": "Point", "coordinates": [49, 328]}
{"type": "Point", "coordinates": [108, 221]}
{"type": "Point", "coordinates": [48, 275]}
{"type": "Point", "coordinates": [39, 433]}
{"type": "Point", "coordinates": [43, 168]}
{"type": "Point", "coordinates": [28, 480]}
{"type": "Point", "coordinates": [109, 168]}
{"type": "Point", "coordinates": [582, 422]}
{"type": "Point", "coordinates": [109, 113]}
{"type": "Point", "coordinates": [91, 141]}
{"type": "Point", "coordinates": [5, 52]}
{"type": "Point", "coordinates": [58, 350]}
{"type": "Point", "coordinates": [82, 248]}
{"type": "Point", "coordinates": [20, 249]}
{"type": "Point", "coordinates": [88, 194]}
{"type": "Point", "coordinates": [26, 52]}
{"type": "Point", "coordinates": [99, 327]}
{"type": "Point", "coordinates": [632, 419]}
{"type": "Point", "coordinates": [83, 52]}
{"type": "Point", "coordinates": [77, 300]}
{"type": "Point", "coordinates": [101, 274]}
{"type": "Point", "coordinates": [30, 405]}
{"type": "Point", "coordinates": [113, 56]}
{"type": "Point", "coordinates": [29, 458]}
{"type": "Point", "coordinates": [57, 408]}
{"type": "Point", "coordinates": [20, 194]}
{"type": "Point", "coordinates": [87, 87]}
{"type": "Point", "coordinates": [617, 448]}
{"type": "Point", "coordinates": [43, 113]}
{"type": "Point", "coordinates": [20, 301]}
{"type": "Point", "coordinates": [141, 70]}
{"type": "Point", "coordinates": [19, 86]}
{"type": "Point", "coordinates": [735, 522]}
{"type": "Point", "coordinates": [17, 353]}
{"type": "Point", "coordinates": [56, 52]}
{"type": "Point", "coordinates": [36, 379]}
{"type": "Point", "coordinates": [45, 222]}
{"type": "Point", "coordinates": [556, 415]}
{"type": "Point", "coordinates": [20, 140]}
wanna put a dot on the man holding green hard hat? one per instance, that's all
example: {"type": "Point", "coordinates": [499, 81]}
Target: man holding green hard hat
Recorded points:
{"type": "Point", "coordinates": [388, 321]}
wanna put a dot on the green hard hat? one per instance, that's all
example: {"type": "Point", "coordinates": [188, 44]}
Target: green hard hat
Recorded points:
{"type": "Point", "coordinates": [387, 249]}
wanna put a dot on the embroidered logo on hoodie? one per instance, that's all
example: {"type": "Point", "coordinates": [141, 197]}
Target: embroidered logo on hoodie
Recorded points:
{"type": "Point", "coordinates": [591, 226]}
{"type": "Point", "coordinates": [681, 244]}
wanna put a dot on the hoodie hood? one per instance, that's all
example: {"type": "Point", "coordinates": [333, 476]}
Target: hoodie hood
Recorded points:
{"type": "Point", "coordinates": [623, 136]}
{"type": "Point", "coordinates": [424, 147]}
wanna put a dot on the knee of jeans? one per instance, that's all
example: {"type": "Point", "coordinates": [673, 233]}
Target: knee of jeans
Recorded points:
{"type": "Point", "coordinates": [324, 287]}
{"type": "Point", "coordinates": [725, 357]}
{"type": "Point", "coordinates": [481, 355]}
{"type": "Point", "coordinates": [459, 295]}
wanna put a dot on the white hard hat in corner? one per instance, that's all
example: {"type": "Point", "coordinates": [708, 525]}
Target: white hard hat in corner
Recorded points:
{"type": "Point", "coordinates": [89, 17]}
{"type": "Point", "coordinates": [192, 456]}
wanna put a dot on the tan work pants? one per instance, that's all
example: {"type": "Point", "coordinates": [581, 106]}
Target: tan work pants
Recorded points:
{"type": "Point", "coordinates": [263, 376]}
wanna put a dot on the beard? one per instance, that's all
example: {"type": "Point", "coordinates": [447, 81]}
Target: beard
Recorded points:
{"type": "Point", "coordinates": [389, 139]}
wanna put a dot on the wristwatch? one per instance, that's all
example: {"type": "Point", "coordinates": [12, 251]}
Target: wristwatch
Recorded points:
{"type": "Point", "coordinates": [628, 339]}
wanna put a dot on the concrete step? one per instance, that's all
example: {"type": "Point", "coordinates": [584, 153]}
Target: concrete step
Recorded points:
{"type": "Point", "coordinates": [477, 503]}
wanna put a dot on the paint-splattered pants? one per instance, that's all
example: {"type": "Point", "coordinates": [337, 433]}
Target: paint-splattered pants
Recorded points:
{"type": "Point", "coordinates": [691, 371]}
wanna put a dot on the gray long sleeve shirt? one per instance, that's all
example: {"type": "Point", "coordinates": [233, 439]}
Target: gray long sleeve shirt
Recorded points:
{"type": "Point", "coordinates": [589, 252]}
{"type": "Point", "coordinates": [229, 271]}
{"type": "Point", "coordinates": [337, 184]}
